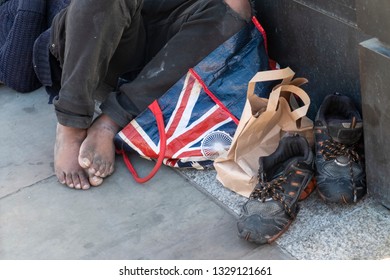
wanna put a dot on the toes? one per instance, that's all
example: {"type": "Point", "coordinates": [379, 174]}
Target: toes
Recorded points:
{"type": "Point", "coordinates": [95, 166]}
{"type": "Point", "coordinates": [61, 177]}
{"type": "Point", "coordinates": [95, 181]}
{"type": "Point", "coordinates": [69, 180]}
{"type": "Point", "coordinates": [85, 185]}
{"type": "Point", "coordinates": [100, 168]}
{"type": "Point", "coordinates": [76, 180]}
{"type": "Point", "coordinates": [111, 169]}
{"type": "Point", "coordinates": [92, 171]}
{"type": "Point", "coordinates": [82, 181]}
{"type": "Point", "coordinates": [84, 161]}
{"type": "Point", "coordinates": [103, 170]}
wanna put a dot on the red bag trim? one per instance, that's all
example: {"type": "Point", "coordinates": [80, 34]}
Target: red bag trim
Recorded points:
{"type": "Point", "coordinates": [262, 31]}
{"type": "Point", "coordinates": [272, 63]}
{"type": "Point", "coordinates": [156, 110]}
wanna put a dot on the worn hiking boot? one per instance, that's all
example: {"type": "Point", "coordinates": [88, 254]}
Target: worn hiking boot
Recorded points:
{"type": "Point", "coordinates": [272, 205]}
{"type": "Point", "coordinates": [339, 149]}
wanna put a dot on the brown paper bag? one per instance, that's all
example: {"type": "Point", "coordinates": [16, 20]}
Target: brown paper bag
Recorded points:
{"type": "Point", "coordinates": [262, 124]}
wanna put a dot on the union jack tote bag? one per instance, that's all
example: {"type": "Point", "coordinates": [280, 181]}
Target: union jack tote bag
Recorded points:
{"type": "Point", "coordinates": [195, 120]}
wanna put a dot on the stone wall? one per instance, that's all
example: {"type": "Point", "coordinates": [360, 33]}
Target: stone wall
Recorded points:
{"type": "Point", "coordinates": [373, 19]}
{"type": "Point", "coordinates": [340, 46]}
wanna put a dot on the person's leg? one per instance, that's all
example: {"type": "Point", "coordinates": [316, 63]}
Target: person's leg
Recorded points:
{"type": "Point", "coordinates": [176, 43]}
{"type": "Point", "coordinates": [85, 40]}
{"type": "Point", "coordinates": [185, 37]}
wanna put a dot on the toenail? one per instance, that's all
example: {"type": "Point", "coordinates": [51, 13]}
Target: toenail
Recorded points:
{"type": "Point", "coordinates": [86, 161]}
{"type": "Point", "coordinates": [97, 180]}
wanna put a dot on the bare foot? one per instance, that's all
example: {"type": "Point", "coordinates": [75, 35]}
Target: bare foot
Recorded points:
{"type": "Point", "coordinates": [66, 150]}
{"type": "Point", "coordinates": [97, 152]}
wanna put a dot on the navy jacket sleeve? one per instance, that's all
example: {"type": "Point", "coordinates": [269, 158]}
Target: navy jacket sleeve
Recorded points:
{"type": "Point", "coordinates": [21, 22]}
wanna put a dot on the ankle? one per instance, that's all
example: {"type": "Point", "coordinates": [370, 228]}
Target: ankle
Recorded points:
{"type": "Point", "coordinates": [73, 132]}
{"type": "Point", "coordinates": [105, 124]}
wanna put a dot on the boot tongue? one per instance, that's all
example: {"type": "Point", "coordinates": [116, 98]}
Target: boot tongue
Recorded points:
{"type": "Point", "coordinates": [345, 132]}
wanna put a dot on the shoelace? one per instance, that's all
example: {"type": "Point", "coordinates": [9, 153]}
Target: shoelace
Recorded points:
{"type": "Point", "coordinates": [331, 150]}
{"type": "Point", "coordinates": [274, 190]}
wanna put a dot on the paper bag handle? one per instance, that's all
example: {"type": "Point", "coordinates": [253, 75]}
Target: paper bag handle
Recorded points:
{"type": "Point", "coordinates": [285, 74]}
{"type": "Point", "coordinates": [257, 103]}
{"type": "Point", "coordinates": [296, 113]}
{"type": "Point", "coordinates": [288, 84]}
{"type": "Point", "coordinates": [156, 110]}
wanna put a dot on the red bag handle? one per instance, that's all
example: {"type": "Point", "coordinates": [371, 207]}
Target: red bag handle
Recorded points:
{"type": "Point", "coordinates": [156, 110]}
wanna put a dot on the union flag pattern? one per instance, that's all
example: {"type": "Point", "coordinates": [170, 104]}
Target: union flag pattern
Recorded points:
{"type": "Point", "coordinates": [188, 118]}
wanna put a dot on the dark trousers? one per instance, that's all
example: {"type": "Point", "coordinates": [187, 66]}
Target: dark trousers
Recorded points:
{"type": "Point", "coordinates": [97, 41]}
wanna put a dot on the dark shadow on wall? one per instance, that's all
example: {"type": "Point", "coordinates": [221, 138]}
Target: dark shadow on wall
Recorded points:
{"type": "Point", "coordinates": [340, 46]}
{"type": "Point", "coordinates": [319, 40]}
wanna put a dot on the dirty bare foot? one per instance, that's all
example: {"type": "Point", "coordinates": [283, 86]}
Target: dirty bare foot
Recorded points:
{"type": "Point", "coordinates": [66, 150]}
{"type": "Point", "coordinates": [97, 152]}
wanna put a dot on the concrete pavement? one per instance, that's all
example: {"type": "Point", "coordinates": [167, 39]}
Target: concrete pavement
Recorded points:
{"type": "Point", "coordinates": [166, 218]}
{"type": "Point", "coordinates": [176, 215]}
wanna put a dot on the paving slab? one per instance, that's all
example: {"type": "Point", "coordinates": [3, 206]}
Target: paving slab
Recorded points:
{"type": "Point", "coordinates": [27, 124]}
{"type": "Point", "coordinates": [321, 231]}
{"type": "Point", "coordinates": [179, 214]}
{"type": "Point", "coordinates": [165, 218]}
